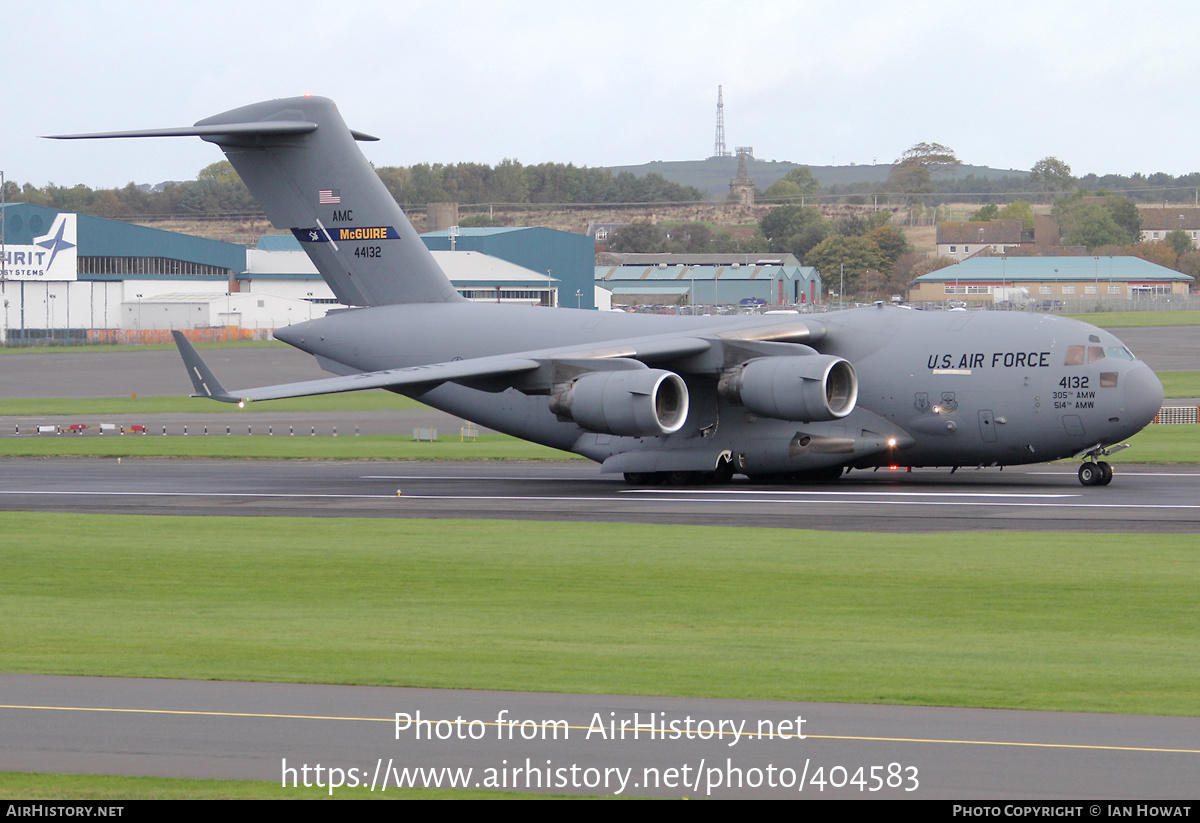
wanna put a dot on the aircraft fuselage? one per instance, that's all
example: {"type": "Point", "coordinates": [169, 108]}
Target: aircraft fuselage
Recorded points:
{"type": "Point", "coordinates": [934, 388]}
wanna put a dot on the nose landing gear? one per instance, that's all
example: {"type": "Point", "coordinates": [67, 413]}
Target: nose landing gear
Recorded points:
{"type": "Point", "coordinates": [1095, 474]}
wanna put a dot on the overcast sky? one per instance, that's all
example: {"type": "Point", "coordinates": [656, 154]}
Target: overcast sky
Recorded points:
{"type": "Point", "coordinates": [1101, 85]}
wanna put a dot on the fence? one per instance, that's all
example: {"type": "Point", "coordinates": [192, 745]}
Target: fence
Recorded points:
{"type": "Point", "coordinates": [211, 334]}
{"type": "Point", "coordinates": [1178, 414]}
{"type": "Point", "coordinates": [28, 338]}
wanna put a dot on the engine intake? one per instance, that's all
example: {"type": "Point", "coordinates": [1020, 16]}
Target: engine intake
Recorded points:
{"type": "Point", "coordinates": [628, 402]}
{"type": "Point", "coordinates": [639, 402]}
{"type": "Point", "coordinates": [806, 388]}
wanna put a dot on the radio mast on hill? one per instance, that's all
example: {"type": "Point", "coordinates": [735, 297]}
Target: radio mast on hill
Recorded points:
{"type": "Point", "coordinates": [719, 144]}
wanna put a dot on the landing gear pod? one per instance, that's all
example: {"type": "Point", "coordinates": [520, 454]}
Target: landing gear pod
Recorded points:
{"type": "Point", "coordinates": [629, 402]}
{"type": "Point", "coordinates": [809, 388]}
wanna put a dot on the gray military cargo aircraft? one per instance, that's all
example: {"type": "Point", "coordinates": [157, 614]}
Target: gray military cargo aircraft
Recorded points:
{"type": "Point", "coordinates": [795, 398]}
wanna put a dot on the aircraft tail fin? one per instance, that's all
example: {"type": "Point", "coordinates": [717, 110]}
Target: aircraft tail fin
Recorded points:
{"type": "Point", "coordinates": [299, 160]}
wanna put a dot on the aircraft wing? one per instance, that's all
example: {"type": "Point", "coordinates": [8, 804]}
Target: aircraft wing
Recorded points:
{"type": "Point", "coordinates": [508, 367]}
{"type": "Point", "coordinates": [207, 385]}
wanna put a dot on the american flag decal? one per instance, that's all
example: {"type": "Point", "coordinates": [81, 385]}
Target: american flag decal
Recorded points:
{"type": "Point", "coordinates": [329, 197]}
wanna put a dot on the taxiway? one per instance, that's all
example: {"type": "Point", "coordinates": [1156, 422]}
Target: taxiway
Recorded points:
{"type": "Point", "coordinates": [259, 730]}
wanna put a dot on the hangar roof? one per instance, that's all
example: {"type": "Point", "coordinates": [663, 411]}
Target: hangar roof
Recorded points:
{"type": "Point", "coordinates": [465, 267]}
{"type": "Point", "coordinates": [278, 242]}
{"type": "Point", "coordinates": [627, 273]}
{"type": "Point", "coordinates": [1043, 269]}
{"type": "Point", "coordinates": [752, 259]}
{"type": "Point", "coordinates": [99, 237]}
{"type": "Point", "coordinates": [480, 231]}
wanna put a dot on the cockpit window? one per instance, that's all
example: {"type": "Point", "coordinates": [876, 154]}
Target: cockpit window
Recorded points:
{"type": "Point", "coordinates": [1078, 355]}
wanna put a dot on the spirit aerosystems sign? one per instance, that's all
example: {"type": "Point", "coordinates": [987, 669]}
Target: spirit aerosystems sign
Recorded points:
{"type": "Point", "coordinates": [51, 256]}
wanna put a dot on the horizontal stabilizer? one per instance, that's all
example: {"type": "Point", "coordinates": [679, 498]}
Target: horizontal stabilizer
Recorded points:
{"type": "Point", "coordinates": [213, 133]}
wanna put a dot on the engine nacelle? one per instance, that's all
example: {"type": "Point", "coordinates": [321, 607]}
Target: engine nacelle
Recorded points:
{"type": "Point", "coordinates": [627, 402]}
{"type": "Point", "coordinates": [806, 388]}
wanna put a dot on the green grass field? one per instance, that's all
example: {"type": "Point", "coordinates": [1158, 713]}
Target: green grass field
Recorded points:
{"type": "Point", "coordinates": [1164, 445]}
{"type": "Point", "coordinates": [1180, 383]}
{"type": "Point", "coordinates": [1128, 319]}
{"type": "Point", "coordinates": [1096, 622]}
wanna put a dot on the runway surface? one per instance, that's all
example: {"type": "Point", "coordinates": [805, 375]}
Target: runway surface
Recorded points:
{"type": "Point", "coordinates": [1035, 498]}
{"type": "Point", "coordinates": [253, 730]}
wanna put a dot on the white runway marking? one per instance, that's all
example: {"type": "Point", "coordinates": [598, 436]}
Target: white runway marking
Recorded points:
{"type": "Point", "coordinates": [848, 499]}
{"type": "Point", "coordinates": [847, 492]}
{"type": "Point", "coordinates": [196, 494]}
{"type": "Point", "coordinates": [471, 478]}
{"type": "Point", "coordinates": [1121, 474]}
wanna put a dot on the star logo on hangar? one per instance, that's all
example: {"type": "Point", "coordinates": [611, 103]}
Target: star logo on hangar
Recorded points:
{"type": "Point", "coordinates": [312, 235]}
{"type": "Point", "coordinates": [56, 243]}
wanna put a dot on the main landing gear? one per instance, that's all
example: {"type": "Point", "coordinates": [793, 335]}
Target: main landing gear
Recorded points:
{"type": "Point", "coordinates": [713, 478]}
{"type": "Point", "coordinates": [1096, 473]}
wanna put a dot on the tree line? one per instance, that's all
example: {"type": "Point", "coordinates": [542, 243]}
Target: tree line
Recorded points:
{"type": "Point", "coordinates": [929, 172]}
{"type": "Point", "coordinates": [218, 189]}
{"type": "Point", "coordinates": [511, 183]}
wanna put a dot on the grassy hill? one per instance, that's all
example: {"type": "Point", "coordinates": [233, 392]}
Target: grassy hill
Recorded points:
{"type": "Point", "coordinates": [712, 175]}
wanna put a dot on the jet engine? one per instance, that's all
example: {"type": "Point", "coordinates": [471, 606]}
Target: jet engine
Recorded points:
{"type": "Point", "coordinates": [806, 388]}
{"type": "Point", "coordinates": [628, 402]}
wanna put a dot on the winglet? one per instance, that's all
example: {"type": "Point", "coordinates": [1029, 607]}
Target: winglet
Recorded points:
{"type": "Point", "coordinates": [204, 381]}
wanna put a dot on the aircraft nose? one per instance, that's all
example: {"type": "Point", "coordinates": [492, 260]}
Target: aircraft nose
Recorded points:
{"type": "Point", "coordinates": [1143, 395]}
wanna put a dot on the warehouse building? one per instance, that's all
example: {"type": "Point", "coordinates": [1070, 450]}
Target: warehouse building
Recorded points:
{"type": "Point", "coordinates": [64, 275]}
{"type": "Point", "coordinates": [709, 279]}
{"type": "Point", "coordinates": [1050, 280]}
